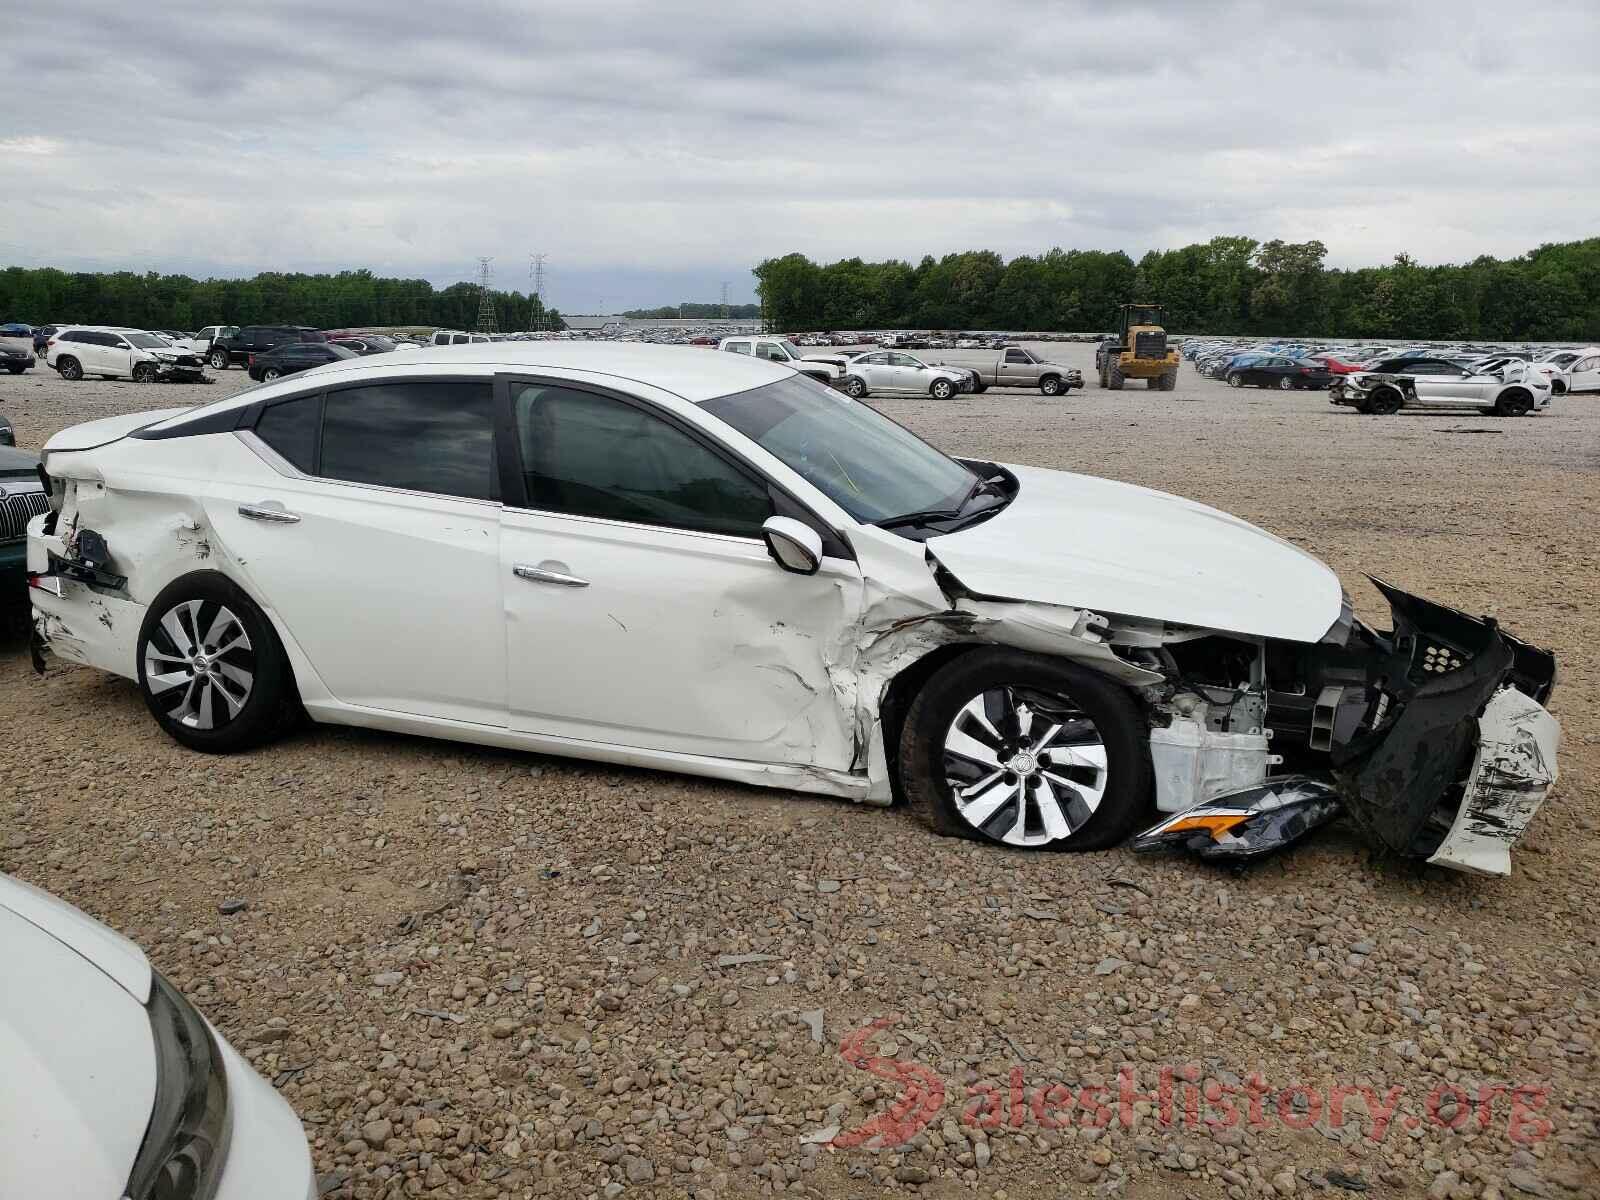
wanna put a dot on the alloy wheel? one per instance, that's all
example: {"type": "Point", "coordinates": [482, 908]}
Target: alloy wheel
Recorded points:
{"type": "Point", "coordinates": [1025, 767]}
{"type": "Point", "coordinates": [199, 664]}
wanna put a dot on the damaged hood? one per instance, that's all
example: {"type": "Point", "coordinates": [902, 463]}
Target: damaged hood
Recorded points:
{"type": "Point", "coordinates": [108, 429]}
{"type": "Point", "coordinates": [1086, 542]}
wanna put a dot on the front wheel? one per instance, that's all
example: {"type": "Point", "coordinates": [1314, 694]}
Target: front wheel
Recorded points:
{"type": "Point", "coordinates": [1026, 751]}
{"type": "Point", "coordinates": [144, 373]}
{"type": "Point", "coordinates": [855, 387]}
{"type": "Point", "coordinates": [219, 360]}
{"type": "Point", "coordinates": [1514, 404]}
{"type": "Point", "coordinates": [211, 669]}
{"type": "Point", "coordinates": [942, 389]}
{"type": "Point", "coordinates": [1050, 385]}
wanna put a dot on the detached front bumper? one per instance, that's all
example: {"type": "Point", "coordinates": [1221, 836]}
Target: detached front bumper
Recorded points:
{"type": "Point", "coordinates": [1446, 752]}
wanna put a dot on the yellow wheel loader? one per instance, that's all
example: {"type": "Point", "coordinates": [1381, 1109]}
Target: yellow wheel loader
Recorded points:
{"type": "Point", "coordinates": [1140, 351]}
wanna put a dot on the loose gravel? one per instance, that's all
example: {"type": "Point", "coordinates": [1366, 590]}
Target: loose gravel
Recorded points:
{"type": "Point", "coordinates": [483, 974]}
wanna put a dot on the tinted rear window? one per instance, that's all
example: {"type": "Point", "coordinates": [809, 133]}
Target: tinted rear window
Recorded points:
{"type": "Point", "coordinates": [423, 437]}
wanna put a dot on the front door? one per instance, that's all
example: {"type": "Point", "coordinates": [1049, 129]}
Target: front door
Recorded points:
{"type": "Point", "coordinates": [642, 608]}
{"type": "Point", "coordinates": [377, 542]}
{"type": "Point", "coordinates": [1585, 374]}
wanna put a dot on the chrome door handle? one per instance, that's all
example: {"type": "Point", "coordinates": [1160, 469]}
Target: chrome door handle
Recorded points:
{"type": "Point", "coordinates": [270, 511]}
{"type": "Point", "coordinates": [540, 575]}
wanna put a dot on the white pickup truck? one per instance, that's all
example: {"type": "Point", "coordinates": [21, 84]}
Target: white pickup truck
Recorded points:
{"type": "Point", "coordinates": [824, 368]}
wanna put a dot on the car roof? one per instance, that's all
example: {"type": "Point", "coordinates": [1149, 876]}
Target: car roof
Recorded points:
{"type": "Point", "coordinates": [690, 374]}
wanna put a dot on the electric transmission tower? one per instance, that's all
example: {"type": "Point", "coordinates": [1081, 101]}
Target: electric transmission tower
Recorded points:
{"type": "Point", "coordinates": [486, 321]}
{"type": "Point", "coordinates": [724, 301]}
{"type": "Point", "coordinates": [536, 270]}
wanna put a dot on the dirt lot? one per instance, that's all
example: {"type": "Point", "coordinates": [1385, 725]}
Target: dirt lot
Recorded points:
{"type": "Point", "coordinates": [477, 973]}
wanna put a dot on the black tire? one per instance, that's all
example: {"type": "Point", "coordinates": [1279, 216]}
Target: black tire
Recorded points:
{"type": "Point", "coordinates": [218, 360]}
{"type": "Point", "coordinates": [1114, 376]}
{"type": "Point", "coordinates": [942, 389]}
{"type": "Point", "coordinates": [1104, 380]}
{"type": "Point", "coordinates": [1558, 387]}
{"type": "Point", "coordinates": [1153, 384]}
{"type": "Point", "coordinates": [71, 369]}
{"type": "Point", "coordinates": [269, 704]}
{"type": "Point", "coordinates": [271, 373]}
{"type": "Point", "coordinates": [855, 387]}
{"type": "Point", "coordinates": [144, 373]}
{"type": "Point", "coordinates": [1235, 380]}
{"type": "Point", "coordinates": [1050, 385]}
{"type": "Point", "coordinates": [1286, 384]}
{"type": "Point", "coordinates": [1514, 403]}
{"type": "Point", "coordinates": [16, 370]}
{"type": "Point", "coordinates": [1384, 402]}
{"type": "Point", "coordinates": [1169, 380]}
{"type": "Point", "coordinates": [979, 387]}
{"type": "Point", "coordinates": [1107, 709]}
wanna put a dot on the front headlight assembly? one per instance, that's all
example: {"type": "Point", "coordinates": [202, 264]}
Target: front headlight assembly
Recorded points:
{"type": "Point", "coordinates": [186, 1143]}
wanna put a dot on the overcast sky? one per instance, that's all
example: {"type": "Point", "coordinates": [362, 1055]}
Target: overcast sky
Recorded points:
{"type": "Point", "coordinates": [654, 150]}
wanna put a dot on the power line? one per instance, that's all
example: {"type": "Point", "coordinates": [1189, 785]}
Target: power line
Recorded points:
{"type": "Point", "coordinates": [486, 321]}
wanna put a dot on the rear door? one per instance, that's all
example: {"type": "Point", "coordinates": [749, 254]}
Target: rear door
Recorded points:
{"type": "Point", "coordinates": [368, 520]}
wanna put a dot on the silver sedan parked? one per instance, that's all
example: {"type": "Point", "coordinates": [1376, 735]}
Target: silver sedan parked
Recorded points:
{"type": "Point", "coordinates": [897, 371]}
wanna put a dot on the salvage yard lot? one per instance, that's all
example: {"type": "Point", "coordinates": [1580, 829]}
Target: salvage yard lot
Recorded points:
{"type": "Point", "coordinates": [480, 973]}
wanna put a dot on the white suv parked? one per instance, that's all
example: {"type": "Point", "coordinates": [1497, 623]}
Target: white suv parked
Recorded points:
{"type": "Point", "coordinates": [454, 337]}
{"type": "Point", "coordinates": [116, 353]}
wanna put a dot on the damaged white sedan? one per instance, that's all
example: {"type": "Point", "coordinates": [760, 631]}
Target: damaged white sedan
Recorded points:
{"type": "Point", "coordinates": [710, 564]}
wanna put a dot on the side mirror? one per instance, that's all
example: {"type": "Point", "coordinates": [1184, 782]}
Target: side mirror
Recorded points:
{"type": "Point", "coordinates": [794, 545]}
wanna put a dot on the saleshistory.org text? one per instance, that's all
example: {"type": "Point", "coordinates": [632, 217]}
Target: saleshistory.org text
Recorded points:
{"type": "Point", "coordinates": [1178, 1098]}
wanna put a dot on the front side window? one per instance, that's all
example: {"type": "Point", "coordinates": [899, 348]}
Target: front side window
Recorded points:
{"type": "Point", "coordinates": [423, 437]}
{"type": "Point", "coordinates": [595, 456]}
{"type": "Point", "coordinates": [771, 352]}
{"type": "Point", "coordinates": [857, 457]}
{"type": "Point", "coordinates": [148, 341]}
{"type": "Point", "coordinates": [1016, 356]}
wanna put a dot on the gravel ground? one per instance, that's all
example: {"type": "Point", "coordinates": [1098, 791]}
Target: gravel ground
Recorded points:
{"type": "Point", "coordinates": [476, 973]}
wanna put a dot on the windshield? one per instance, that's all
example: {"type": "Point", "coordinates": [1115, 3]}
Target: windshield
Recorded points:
{"type": "Point", "coordinates": [148, 341]}
{"type": "Point", "coordinates": [857, 457]}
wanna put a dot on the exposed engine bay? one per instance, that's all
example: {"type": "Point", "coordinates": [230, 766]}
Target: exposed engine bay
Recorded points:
{"type": "Point", "coordinates": [1431, 736]}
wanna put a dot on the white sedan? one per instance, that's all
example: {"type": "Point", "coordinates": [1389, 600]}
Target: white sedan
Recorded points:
{"type": "Point", "coordinates": [706, 563]}
{"type": "Point", "coordinates": [111, 1084]}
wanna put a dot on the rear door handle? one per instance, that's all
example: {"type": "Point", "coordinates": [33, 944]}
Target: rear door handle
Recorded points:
{"type": "Point", "coordinates": [540, 575]}
{"type": "Point", "coordinates": [270, 511]}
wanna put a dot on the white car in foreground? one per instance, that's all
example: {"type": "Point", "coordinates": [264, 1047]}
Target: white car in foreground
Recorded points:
{"type": "Point", "coordinates": [707, 563]}
{"type": "Point", "coordinates": [111, 1084]}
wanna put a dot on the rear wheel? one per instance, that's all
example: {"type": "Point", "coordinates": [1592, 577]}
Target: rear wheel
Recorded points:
{"type": "Point", "coordinates": [1235, 380]}
{"type": "Point", "coordinates": [1384, 402]}
{"type": "Point", "coordinates": [1026, 751]}
{"type": "Point", "coordinates": [1515, 403]}
{"type": "Point", "coordinates": [1286, 384]}
{"type": "Point", "coordinates": [979, 387]}
{"type": "Point", "coordinates": [1050, 385]}
{"type": "Point", "coordinates": [219, 360]}
{"type": "Point", "coordinates": [270, 374]}
{"type": "Point", "coordinates": [1558, 387]}
{"type": "Point", "coordinates": [211, 669]}
{"type": "Point", "coordinates": [69, 367]}
{"type": "Point", "coordinates": [1169, 380]}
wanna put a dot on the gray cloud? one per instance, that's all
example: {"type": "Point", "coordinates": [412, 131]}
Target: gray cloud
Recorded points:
{"type": "Point", "coordinates": [648, 146]}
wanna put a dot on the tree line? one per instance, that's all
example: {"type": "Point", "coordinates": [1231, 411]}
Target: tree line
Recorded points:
{"type": "Point", "coordinates": [1229, 285]}
{"type": "Point", "coordinates": [688, 311]}
{"type": "Point", "coordinates": [348, 300]}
